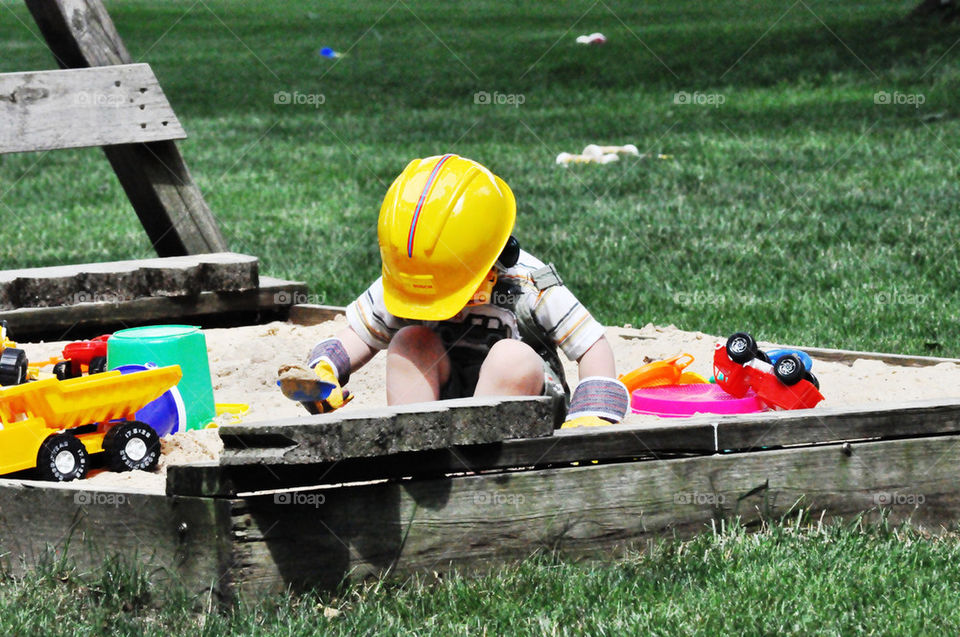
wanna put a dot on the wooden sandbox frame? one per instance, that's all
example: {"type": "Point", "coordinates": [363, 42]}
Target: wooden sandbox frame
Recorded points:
{"type": "Point", "coordinates": [260, 526]}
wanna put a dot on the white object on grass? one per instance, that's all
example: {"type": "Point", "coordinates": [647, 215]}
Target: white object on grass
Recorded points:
{"type": "Point", "coordinates": [627, 149]}
{"type": "Point", "coordinates": [593, 38]}
{"type": "Point", "coordinates": [567, 158]}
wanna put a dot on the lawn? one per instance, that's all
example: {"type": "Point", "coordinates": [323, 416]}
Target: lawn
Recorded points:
{"type": "Point", "coordinates": [798, 208]}
{"type": "Point", "coordinates": [805, 194]}
{"type": "Point", "coordinates": [787, 579]}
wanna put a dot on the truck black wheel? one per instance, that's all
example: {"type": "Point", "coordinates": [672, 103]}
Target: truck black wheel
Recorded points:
{"type": "Point", "coordinates": [813, 380]}
{"type": "Point", "coordinates": [63, 370]}
{"type": "Point", "coordinates": [13, 366]}
{"type": "Point", "coordinates": [62, 457]}
{"type": "Point", "coordinates": [741, 348]}
{"type": "Point", "coordinates": [132, 445]}
{"type": "Point", "coordinates": [97, 365]}
{"type": "Point", "coordinates": [789, 369]}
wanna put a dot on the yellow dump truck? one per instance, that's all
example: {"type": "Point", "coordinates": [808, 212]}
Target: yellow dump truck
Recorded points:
{"type": "Point", "coordinates": [54, 425]}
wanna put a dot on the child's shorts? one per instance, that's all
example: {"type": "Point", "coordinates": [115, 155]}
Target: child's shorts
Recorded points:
{"type": "Point", "coordinates": [465, 366]}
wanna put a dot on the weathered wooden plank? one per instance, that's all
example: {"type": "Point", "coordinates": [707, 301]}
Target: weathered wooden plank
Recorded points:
{"type": "Point", "coordinates": [849, 356]}
{"type": "Point", "coordinates": [819, 425]}
{"type": "Point", "coordinates": [562, 448]}
{"type": "Point", "coordinates": [319, 537]}
{"type": "Point", "coordinates": [265, 468]}
{"type": "Point", "coordinates": [307, 314]}
{"type": "Point", "coordinates": [79, 33]}
{"type": "Point", "coordinates": [119, 281]}
{"type": "Point", "coordinates": [389, 430]}
{"type": "Point", "coordinates": [48, 110]}
{"type": "Point", "coordinates": [178, 541]}
{"type": "Point", "coordinates": [91, 319]}
{"type": "Point", "coordinates": [178, 221]}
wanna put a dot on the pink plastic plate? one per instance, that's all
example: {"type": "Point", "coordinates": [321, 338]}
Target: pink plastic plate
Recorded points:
{"type": "Point", "coordinates": [678, 401]}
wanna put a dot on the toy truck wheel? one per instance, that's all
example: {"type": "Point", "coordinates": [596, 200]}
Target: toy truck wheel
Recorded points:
{"type": "Point", "coordinates": [132, 446]}
{"type": "Point", "coordinates": [63, 370]}
{"type": "Point", "coordinates": [61, 458]}
{"type": "Point", "coordinates": [98, 364]}
{"type": "Point", "coordinates": [789, 369]}
{"type": "Point", "coordinates": [741, 348]}
{"type": "Point", "coordinates": [813, 379]}
{"type": "Point", "coordinates": [13, 366]}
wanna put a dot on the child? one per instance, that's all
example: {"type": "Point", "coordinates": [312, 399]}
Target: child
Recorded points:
{"type": "Point", "coordinates": [461, 309]}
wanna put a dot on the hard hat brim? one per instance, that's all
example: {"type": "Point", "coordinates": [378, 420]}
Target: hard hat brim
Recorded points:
{"type": "Point", "coordinates": [430, 308]}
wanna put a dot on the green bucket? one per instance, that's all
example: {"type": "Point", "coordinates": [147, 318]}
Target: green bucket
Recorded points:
{"type": "Point", "coordinates": [183, 345]}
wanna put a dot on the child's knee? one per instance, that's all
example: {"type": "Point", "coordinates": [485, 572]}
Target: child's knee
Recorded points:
{"type": "Point", "coordinates": [416, 356]}
{"type": "Point", "coordinates": [514, 363]}
{"type": "Point", "coordinates": [415, 340]}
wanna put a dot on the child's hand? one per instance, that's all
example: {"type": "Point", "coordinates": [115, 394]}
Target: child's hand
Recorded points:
{"type": "Point", "coordinates": [317, 389]}
{"type": "Point", "coordinates": [338, 397]}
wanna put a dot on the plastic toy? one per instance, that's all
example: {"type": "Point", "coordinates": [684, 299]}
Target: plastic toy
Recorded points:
{"type": "Point", "coordinates": [183, 345]}
{"type": "Point", "coordinates": [776, 354]}
{"type": "Point", "coordinates": [89, 356]}
{"type": "Point", "coordinates": [55, 425]}
{"type": "Point", "coordinates": [739, 366]}
{"type": "Point", "coordinates": [13, 361]}
{"type": "Point", "coordinates": [665, 372]}
{"type": "Point", "coordinates": [677, 401]}
{"type": "Point", "coordinates": [166, 414]}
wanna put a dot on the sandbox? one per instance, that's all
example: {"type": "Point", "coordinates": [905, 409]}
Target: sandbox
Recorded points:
{"type": "Point", "coordinates": [238, 521]}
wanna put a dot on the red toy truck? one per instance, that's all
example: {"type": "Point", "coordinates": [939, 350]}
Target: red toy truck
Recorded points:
{"type": "Point", "coordinates": [739, 365]}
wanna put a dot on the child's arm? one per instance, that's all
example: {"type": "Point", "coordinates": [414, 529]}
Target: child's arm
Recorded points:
{"type": "Point", "coordinates": [359, 352]}
{"type": "Point", "coordinates": [600, 398]}
{"type": "Point", "coordinates": [598, 360]}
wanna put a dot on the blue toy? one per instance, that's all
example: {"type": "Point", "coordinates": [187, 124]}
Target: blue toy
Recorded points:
{"type": "Point", "coordinates": [777, 354]}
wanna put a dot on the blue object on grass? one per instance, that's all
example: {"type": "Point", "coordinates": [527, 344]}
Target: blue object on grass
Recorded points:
{"type": "Point", "coordinates": [328, 53]}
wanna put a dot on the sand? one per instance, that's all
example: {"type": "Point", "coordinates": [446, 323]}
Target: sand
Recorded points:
{"type": "Point", "coordinates": [244, 362]}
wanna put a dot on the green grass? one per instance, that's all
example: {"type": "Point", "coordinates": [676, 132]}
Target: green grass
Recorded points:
{"type": "Point", "coordinates": [798, 209]}
{"type": "Point", "coordinates": [786, 579]}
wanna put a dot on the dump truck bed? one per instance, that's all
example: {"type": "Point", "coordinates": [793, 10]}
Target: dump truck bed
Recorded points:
{"type": "Point", "coordinates": [88, 399]}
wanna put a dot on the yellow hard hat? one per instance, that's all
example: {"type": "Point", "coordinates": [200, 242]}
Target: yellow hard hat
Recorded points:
{"type": "Point", "coordinates": [442, 226]}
